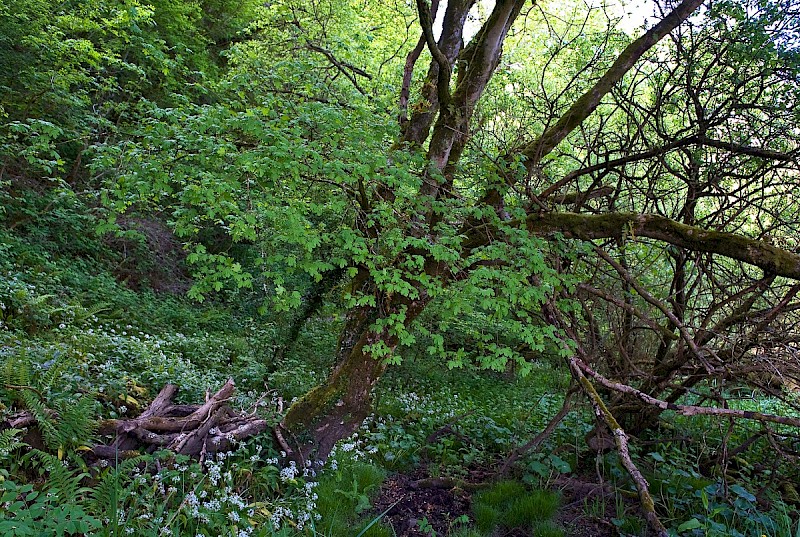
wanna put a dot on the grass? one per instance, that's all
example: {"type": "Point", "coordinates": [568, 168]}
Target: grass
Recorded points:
{"type": "Point", "coordinates": [546, 528]}
{"type": "Point", "coordinates": [509, 504]}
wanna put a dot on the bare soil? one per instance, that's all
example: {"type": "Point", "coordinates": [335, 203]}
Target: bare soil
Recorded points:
{"type": "Point", "coordinates": [409, 505]}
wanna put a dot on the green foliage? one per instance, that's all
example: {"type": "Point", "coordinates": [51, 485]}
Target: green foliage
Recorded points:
{"type": "Point", "coordinates": [466, 532]}
{"type": "Point", "coordinates": [9, 441]}
{"type": "Point", "coordinates": [263, 137]}
{"type": "Point", "coordinates": [511, 505]}
{"type": "Point", "coordinates": [65, 421]}
{"type": "Point", "coordinates": [344, 494]}
{"type": "Point", "coordinates": [487, 517]}
{"type": "Point", "coordinates": [151, 495]}
{"type": "Point", "coordinates": [30, 512]}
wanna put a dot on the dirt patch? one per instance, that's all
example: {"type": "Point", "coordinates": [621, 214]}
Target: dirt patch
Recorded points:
{"type": "Point", "coordinates": [587, 509]}
{"type": "Point", "coordinates": [410, 505]}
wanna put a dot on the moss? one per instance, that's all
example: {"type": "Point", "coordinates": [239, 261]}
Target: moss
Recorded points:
{"type": "Point", "coordinates": [752, 251]}
{"type": "Point", "coordinates": [309, 408]}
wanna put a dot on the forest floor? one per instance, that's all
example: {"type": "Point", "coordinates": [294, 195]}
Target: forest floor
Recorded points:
{"type": "Point", "coordinates": [408, 504]}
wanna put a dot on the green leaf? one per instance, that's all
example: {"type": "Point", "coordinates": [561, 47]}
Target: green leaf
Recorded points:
{"type": "Point", "coordinates": [691, 524]}
{"type": "Point", "coordinates": [742, 493]}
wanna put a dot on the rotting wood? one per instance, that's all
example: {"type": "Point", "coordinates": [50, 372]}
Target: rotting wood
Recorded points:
{"type": "Point", "coordinates": [185, 429]}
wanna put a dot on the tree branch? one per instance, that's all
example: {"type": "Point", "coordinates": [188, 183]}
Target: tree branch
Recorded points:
{"type": "Point", "coordinates": [408, 69]}
{"type": "Point", "coordinates": [684, 410]}
{"type": "Point", "coordinates": [621, 441]}
{"type": "Point", "coordinates": [587, 227]}
{"type": "Point", "coordinates": [748, 150]}
{"type": "Point", "coordinates": [443, 82]}
{"type": "Point", "coordinates": [590, 100]}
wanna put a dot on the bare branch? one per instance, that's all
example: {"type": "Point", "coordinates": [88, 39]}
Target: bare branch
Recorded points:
{"type": "Point", "coordinates": [621, 440]}
{"type": "Point", "coordinates": [443, 84]}
{"type": "Point", "coordinates": [684, 410]}
{"type": "Point", "coordinates": [588, 102]}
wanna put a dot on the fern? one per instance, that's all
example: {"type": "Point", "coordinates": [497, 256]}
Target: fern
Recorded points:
{"type": "Point", "coordinates": [17, 369]}
{"type": "Point", "coordinates": [75, 425]}
{"type": "Point", "coordinates": [62, 481]}
{"type": "Point", "coordinates": [54, 371]}
{"type": "Point", "coordinates": [44, 417]}
{"type": "Point", "coordinates": [85, 313]}
{"type": "Point", "coordinates": [105, 494]}
{"type": "Point", "coordinates": [65, 423]}
{"type": "Point", "coordinates": [9, 441]}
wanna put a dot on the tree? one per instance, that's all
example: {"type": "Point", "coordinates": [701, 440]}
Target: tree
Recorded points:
{"type": "Point", "coordinates": [675, 156]}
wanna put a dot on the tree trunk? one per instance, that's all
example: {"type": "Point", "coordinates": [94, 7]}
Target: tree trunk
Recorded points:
{"type": "Point", "coordinates": [335, 409]}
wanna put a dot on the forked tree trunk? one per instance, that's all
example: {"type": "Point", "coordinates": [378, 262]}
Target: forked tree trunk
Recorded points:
{"type": "Point", "coordinates": [336, 408]}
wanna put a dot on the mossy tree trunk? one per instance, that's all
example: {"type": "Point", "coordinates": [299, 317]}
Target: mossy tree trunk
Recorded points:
{"type": "Point", "coordinates": [335, 409]}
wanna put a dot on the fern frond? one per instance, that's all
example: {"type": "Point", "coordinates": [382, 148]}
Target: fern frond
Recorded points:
{"type": "Point", "coordinates": [9, 441]}
{"type": "Point", "coordinates": [17, 369]}
{"type": "Point", "coordinates": [105, 493]}
{"type": "Point", "coordinates": [62, 481]}
{"type": "Point", "coordinates": [86, 313]}
{"type": "Point", "coordinates": [54, 371]}
{"type": "Point", "coordinates": [75, 425]}
{"type": "Point", "coordinates": [44, 418]}
{"type": "Point", "coordinates": [37, 300]}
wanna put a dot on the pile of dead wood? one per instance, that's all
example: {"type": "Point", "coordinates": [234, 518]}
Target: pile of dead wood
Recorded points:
{"type": "Point", "coordinates": [194, 430]}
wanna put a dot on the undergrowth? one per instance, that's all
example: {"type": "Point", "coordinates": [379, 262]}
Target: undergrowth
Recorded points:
{"type": "Point", "coordinates": [77, 345]}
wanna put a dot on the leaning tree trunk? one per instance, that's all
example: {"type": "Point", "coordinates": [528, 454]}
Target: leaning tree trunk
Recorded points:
{"type": "Point", "coordinates": [335, 409]}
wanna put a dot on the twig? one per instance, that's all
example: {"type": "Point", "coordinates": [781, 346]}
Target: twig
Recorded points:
{"type": "Point", "coordinates": [542, 436]}
{"type": "Point", "coordinates": [22, 387]}
{"type": "Point", "coordinates": [281, 440]}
